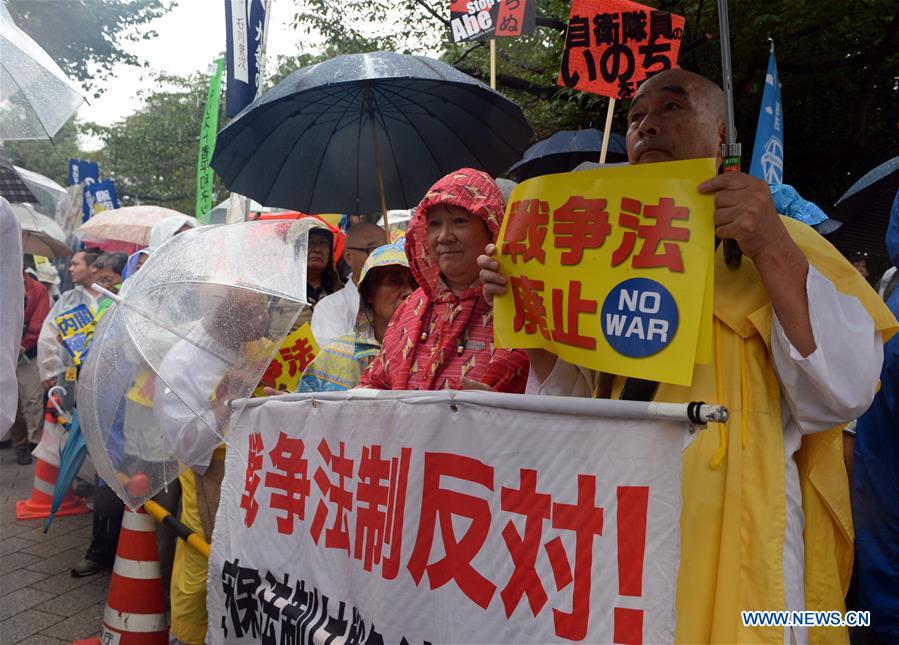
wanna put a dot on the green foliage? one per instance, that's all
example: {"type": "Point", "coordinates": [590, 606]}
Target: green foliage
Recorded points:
{"type": "Point", "coordinates": [49, 158]}
{"type": "Point", "coordinates": [152, 154]}
{"type": "Point", "coordinates": [86, 37]}
{"type": "Point", "coordinates": [839, 67]}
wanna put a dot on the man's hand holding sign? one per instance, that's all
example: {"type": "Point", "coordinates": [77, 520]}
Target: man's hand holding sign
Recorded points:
{"type": "Point", "coordinates": [744, 212]}
{"type": "Point", "coordinates": [676, 116]}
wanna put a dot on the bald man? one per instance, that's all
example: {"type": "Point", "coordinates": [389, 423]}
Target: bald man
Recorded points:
{"type": "Point", "coordinates": [335, 315]}
{"type": "Point", "coordinates": [798, 348]}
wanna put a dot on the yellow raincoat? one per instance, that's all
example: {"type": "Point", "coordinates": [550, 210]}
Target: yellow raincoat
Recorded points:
{"type": "Point", "coordinates": [189, 570]}
{"type": "Point", "coordinates": [734, 510]}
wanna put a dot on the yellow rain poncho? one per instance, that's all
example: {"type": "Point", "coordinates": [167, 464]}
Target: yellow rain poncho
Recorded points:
{"type": "Point", "coordinates": [734, 510]}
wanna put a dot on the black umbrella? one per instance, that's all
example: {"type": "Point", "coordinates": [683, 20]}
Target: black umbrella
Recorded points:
{"type": "Point", "coordinates": [12, 186]}
{"type": "Point", "coordinates": [564, 150]}
{"type": "Point", "coordinates": [321, 140]}
{"type": "Point", "coordinates": [865, 211]}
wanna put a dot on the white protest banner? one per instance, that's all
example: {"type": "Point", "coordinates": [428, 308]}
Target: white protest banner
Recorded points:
{"type": "Point", "coordinates": [452, 517]}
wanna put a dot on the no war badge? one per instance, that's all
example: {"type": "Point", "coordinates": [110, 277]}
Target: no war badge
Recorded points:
{"type": "Point", "coordinates": [76, 329]}
{"type": "Point", "coordinates": [611, 269]}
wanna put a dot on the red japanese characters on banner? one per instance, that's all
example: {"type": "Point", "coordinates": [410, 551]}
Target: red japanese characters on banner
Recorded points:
{"type": "Point", "coordinates": [292, 358]}
{"type": "Point", "coordinates": [583, 223]}
{"type": "Point", "coordinates": [608, 269]}
{"type": "Point", "coordinates": [580, 225]}
{"type": "Point", "coordinates": [380, 488]}
{"type": "Point", "coordinates": [542, 539]}
{"type": "Point", "coordinates": [612, 46]}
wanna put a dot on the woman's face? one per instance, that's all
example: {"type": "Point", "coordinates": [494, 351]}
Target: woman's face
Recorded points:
{"type": "Point", "coordinates": [455, 239]}
{"type": "Point", "coordinates": [109, 279]}
{"type": "Point", "coordinates": [319, 251]}
{"type": "Point", "coordinates": [393, 284]}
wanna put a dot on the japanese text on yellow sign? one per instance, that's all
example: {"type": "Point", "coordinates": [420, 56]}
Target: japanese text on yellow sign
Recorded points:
{"type": "Point", "coordinates": [611, 269]}
{"type": "Point", "coordinates": [291, 360]}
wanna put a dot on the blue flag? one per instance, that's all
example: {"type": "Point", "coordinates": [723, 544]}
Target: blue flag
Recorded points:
{"type": "Point", "coordinates": [99, 197]}
{"type": "Point", "coordinates": [245, 25]}
{"type": "Point", "coordinates": [768, 151]}
{"type": "Point", "coordinates": [83, 172]}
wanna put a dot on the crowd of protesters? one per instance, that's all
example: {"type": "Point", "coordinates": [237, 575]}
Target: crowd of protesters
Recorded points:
{"type": "Point", "coordinates": [802, 347]}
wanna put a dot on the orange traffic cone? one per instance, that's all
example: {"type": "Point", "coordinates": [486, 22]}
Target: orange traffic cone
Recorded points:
{"type": "Point", "coordinates": [38, 505]}
{"type": "Point", "coordinates": [135, 607]}
{"type": "Point", "coordinates": [45, 473]}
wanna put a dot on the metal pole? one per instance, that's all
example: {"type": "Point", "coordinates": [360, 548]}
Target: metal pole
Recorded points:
{"type": "Point", "coordinates": [730, 150]}
{"type": "Point", "coordinates": [372, 113]}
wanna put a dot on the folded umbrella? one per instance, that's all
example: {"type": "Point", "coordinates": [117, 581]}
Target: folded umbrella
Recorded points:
{"type": "Point", "coordinates": [71, 458]}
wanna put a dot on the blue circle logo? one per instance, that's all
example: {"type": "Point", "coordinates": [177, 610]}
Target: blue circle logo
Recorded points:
{"type": "Point", "coordinates": [639, 318]}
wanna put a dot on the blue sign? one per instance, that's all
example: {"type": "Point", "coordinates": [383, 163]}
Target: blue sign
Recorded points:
{"type": "Point", "coordinates": [639, 318]}
{"type": "Point", "coordinates": [245, 25]}
{"type": "Point", "coordinates": [99, 197]}
{"type": "Point", "coordinates": [83, 172]}
{"type": "Point", "coordinates": [768, 150]}
{"type": "Point", "coordinates": [76, 329]}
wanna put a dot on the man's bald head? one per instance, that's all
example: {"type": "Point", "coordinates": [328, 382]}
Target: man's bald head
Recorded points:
{"type": "Point", "coordinates": [362, 239]}
{"type": "Point", "coordinates": [675, 115]}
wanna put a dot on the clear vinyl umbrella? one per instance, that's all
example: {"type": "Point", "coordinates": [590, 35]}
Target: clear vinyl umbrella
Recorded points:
{"type": "Point", "coordinates": [47, 191]}
{"type": "Point", "coordinates": [40, 234]}
{"type": "Point", "coordinates": [194, 329]}
{"type": "Point", "coordinates": [36, 97]}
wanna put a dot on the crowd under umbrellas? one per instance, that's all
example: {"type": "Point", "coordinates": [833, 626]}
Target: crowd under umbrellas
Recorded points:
{"type": "Point", "coordinates": [359, 134]}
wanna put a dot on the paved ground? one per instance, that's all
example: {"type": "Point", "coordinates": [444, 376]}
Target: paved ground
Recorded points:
{"type": "Point", "coordinates": [40, 602]}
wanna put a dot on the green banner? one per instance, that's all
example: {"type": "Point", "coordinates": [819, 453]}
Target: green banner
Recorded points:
{"type": "Point", "coordinates": [208, 131]}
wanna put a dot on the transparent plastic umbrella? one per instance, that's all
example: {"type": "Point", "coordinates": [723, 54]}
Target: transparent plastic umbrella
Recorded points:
{"type": "Point", "coordinates": [36, 97]}
{"type": "Point", "coordinates": [193, 330]}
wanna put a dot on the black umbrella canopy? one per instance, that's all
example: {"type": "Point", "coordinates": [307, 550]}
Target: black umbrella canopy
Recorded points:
{"type": "Point", "coordinates": [564, 150]}
{"type": "Point", "coordinates": [865, 209]}
{"type": "Point", "coordinates": [308, 144]}
{"type": "Point", "coordinates": [12, 186]}
{"type": "Point", "coordinates": [884, 179]}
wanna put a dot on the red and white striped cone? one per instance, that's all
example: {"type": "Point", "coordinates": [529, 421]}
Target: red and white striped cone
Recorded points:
{"type": "Point", "coordinates": [135, 608]}
{"type": "Point", "coordinates": [38, 505]}
{"type": "Point", "coordinates": [45, 474]}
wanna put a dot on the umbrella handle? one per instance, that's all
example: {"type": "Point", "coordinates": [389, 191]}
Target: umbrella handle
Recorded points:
{"type": "Point", "coordinates": [730, 153]}
{"type": "Point", "coordinates": [51, 398]}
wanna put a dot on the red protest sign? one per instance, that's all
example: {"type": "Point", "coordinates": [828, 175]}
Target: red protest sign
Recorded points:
{"type": "Point", "coordinates": [612, 46]}
{"type": "Point", "coordinates": [486, 19]}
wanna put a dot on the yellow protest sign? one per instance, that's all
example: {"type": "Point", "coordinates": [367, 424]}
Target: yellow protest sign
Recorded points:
{"type": "Point", "coordinates": [143, 388]}
{"type": "Point", "coordinates": [291, 360]}
{"type": "Point", "coordinates": [611, 269]}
